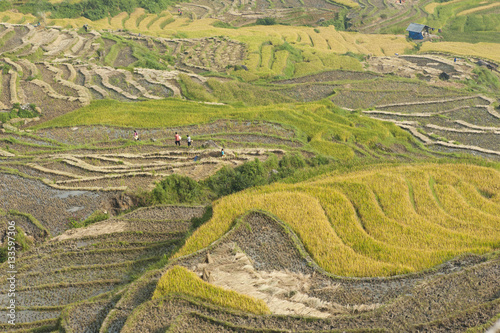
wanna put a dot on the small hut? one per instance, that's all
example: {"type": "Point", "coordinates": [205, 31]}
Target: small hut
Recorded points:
{"type": "Point", "coordinates": [417, 31]}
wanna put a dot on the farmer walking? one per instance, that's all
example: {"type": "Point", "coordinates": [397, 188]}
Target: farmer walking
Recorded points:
{"type": "Point", "coordinates": [177, 139]}
{"type": "Point", "coordinates": [189, 141]}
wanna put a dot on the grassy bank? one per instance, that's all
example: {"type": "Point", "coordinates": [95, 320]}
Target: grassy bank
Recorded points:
{"type": "Point", "coordinates": [322, 126]}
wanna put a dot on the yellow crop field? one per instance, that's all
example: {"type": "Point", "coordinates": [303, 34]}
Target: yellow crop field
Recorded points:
{"type": "Point", "coordinates": [290, 37]}
{"type": "Point", "coordinates": [102, 24]}
{"type": "Point", "coordinates": [131, 23]}
{"type": "Point", "coordinates": [15, 17]}
{"type": "Point", "coordinates": [334, 61]}
{"type": "Point", "coordinates": [352, 46]}
{"type": "Point", "coordinates": [335, 41]}
{"type": "Point", "coordinates": [179, 280]}
{"type": "Point", "coordinates": [155, 28]}
{"type": "Point", "coordinates": [117, 21]}
{"type": "Point", "coordinates": [74, 23]}
{"type": "Point", "coordinates": [321, 61]}
{"type": "Point", "coordinates": [378, 222]}
{"type": "Point", "coordinates": [252, 61]}
{"type": "Point", "coordinates": [328, 40]}
{"type": "Point", "coordinates": [279, 63]}
{"type": "Point", "coordinates": [319, 41]}
{"type": "Point", "coordinates": [304, 38]}
{"type": "Point", "coordinates": [348, 3]}
{"type": "Point", "coordinates": [143, 26]}
{"type": "Point", "coordinates": [485, 50]}
{"type": "Point", "coordinates": [477, 9]}
{"type": "Point", "coordinates": [266, 57]}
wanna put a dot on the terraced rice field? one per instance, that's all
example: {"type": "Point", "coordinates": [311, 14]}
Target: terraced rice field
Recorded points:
{"type": "Point", "coordinates": [263, 258]}
{"type": "Point", "coordinates": [92, 262]}
{"type": "Point", "coordinates": [77, 171]}
{"type": "Point", "coordinates": [58, 84]}
{"type": "Point", "coordinates": [464, 124]}
{"type": "Point", "coordinates": [265, 262]}
{"type": "Point", "coordinates": [373, 229]}
{"type": "Point", "coordinates": [376, 245]}
{"type": "Point", "coordinates": [112, 163]}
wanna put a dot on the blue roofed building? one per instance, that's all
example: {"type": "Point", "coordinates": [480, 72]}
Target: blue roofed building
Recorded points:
{"type": "Point", "coordinates": [417, 31]}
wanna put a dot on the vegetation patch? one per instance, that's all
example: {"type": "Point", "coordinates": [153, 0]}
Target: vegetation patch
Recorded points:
{"type": "Point", "coordinates": [327, 129]}
{"type": "Point", "coordinates": [179, 280]}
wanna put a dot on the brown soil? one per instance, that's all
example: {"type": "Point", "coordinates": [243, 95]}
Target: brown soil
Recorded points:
{"type": "Point", "coordinates": [15, 40]}
{"type": "Point", "coordinates": [162, 213]}
{"type": "Point", "coordinates": [308, 92]}
{"type": "Point", "coordinates": [118, 80]}
{"type": "Point", "coordinates": [51, 107]}
{"type": "Point", "coordinates": [5, 96]}
{"type": "Point", "coordinates": [88, 316]}
{"type": "Point", "coordinates": [49, 77]}
{"type": "Point", "coordinates": [84, 263]}
{"type": "Point", "coordinates": [331, 76]}
{"type": "Point", "coordinates": [108, 43]}
{"type": "Point", "coordinates": [125, 58]}
{"type": "Point", "coordinates": [51, 207]}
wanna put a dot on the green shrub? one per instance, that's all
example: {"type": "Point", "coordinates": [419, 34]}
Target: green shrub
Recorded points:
{"type": "Point", "coordinates": [228, 180]}
{"type": "Point", "coordinates": [6, 68]}
{"type": "Point", "coordinates": [271, 162]}
{"type": "Point", "coordinates": [22, 243]}
{"type": "Point", "coordinates": [294, 161]}
{"type": "Point", "coordinates": [318, 160]}
{"type": "Point", "coordinates": [224, 25]}
{"type": "Point", "coordinates": [175, 189]}
{"type": "Point", "coordinates": [194, 91]}
{"type": "Point", "coordinates": [97, 216]}
{"type": "Point", "coordinates": [3, 254]}
{"type": "Point", "coordinates": [92, 9]}
{"type": "Point", "coordinates": [5, 5]}
{"type": "Point", "coordinates": [222, 181]}
{"type": "Point", "coordinates": [266, 21]}
{"type": "Point", "coordinates": [198, 221]}
{"type": "Point", "coordinates": [288, 164]}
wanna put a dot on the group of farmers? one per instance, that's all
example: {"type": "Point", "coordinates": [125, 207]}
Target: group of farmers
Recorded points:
{"type": "Point", "coordinates": [177, 140]}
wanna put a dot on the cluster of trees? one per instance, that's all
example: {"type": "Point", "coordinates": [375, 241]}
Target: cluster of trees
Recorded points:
{"type": "Point", "coordinates": [178, 189]}
{"type": "Point", "coordinates": [93, 9]}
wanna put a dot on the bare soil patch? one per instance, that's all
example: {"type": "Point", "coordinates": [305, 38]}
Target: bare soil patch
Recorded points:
{"type": "Point", "coordinates": [162, 213]}
{"type": "Point", "coordinates": [15, 40]}
{"type": "Point", "coordinates": [50, 206]}
{"type": "Point", "coordinates": [51, 107]}
{"type": "Point", "coordinates": [124, 58]}
{"type": "Point", "coordinates": [308, 92]}
{"type": "Point", "coordinates": [331, 76]}
{"type": "Point", "coordinates": [118, 80]}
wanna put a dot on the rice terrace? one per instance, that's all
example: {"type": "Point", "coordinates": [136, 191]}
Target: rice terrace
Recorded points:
{"type": "Point", "coordinates": [250, 166]}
